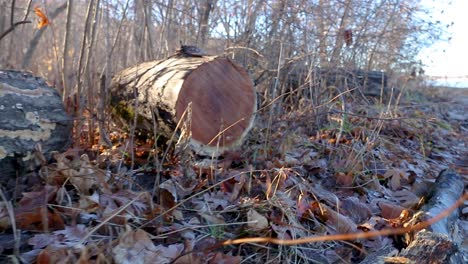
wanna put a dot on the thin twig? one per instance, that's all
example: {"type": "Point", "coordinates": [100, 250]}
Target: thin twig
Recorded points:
{"type": "Point", "coordinates": [350, 236]}
{"type": "Point", "coordinates": [13, 27]}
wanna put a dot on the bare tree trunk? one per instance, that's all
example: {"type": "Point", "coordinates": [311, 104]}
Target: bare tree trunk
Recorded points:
{"type": "Point", "coordinates": [91, 84]}
{"type": "Point", "coordinates": [138, 30]}
{"type": "Point", "coordinates": [81, 70]}
{"type": "Point", "coordinates": [323, 34]}
{"type": "Point", "coordinates": [65, 56]}
{"type": "Point", "coordinates": [203, 25]}
{"type": "Point", "coordinates": [148, 29]}
{"type": "Point", "coordinates": [166, 32]}
{"type": "Point", "coordinates": [11, 51]}
{"type": "Point", "coordinates": [106, 69]}
{"type": "Point", "coordinates": [191, 29]}
{"type": "Point", "coordinates": [252, 20]}
{"type": "Point", "coordinates": [339, 40]}
{"type": "Point", "coordinates": [3, 18]}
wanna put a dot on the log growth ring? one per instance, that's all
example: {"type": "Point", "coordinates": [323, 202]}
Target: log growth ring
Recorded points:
{"type": "Point", "coordinates": [223, 104]}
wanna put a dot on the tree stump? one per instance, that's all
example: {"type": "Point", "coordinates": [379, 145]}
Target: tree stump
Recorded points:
{"type": "Point", "coordinates": [218, 93]}
{"type": "Point", "coordinates": [31, 113]}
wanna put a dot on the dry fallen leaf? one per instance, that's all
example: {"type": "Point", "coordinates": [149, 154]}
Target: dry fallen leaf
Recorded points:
{"type": "Point", "coordinates": [213, 219]}
{"type": "Point", "coordinates": [355, 209]}
{"type": "Point", "coordinates": [344, 179]}
{"type": "Point", "coordinates": [389, 210]}
{"type": "Point", "coordinates": [340, 223]}
{"type": "Point", "coordinates": [257, 221]}
{"type": "Point", "coordinates": [54, 254]}
{"type": "Point", "coordinates": [136, 247]}
{"type": "Point", "coordinates": [43, 19]}
{"type": "Point", "coordinates": [221, 258]}
{"type": "Point", "coordinates": [395, 178]}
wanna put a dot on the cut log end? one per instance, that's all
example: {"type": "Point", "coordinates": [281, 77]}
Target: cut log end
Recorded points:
{"type": "Point", "coordinates": [222, 101]}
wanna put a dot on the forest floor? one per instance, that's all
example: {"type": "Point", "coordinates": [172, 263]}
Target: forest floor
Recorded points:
{"type": "Point", "coordinates": [299, 175]}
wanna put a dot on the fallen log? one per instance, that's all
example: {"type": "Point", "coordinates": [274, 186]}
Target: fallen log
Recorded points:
{"type": "Point", "coordinates": [441, 242]}
{"type": "Point", "coordinates": [217, 92]}
{"type": "Point", "coordinates": [31, 114]}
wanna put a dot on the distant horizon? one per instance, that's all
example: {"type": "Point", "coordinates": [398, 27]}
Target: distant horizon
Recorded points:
{"type": "Point", "coordinates": [445, 61]}
{"type": "Point", "coordinates": [453, 82]}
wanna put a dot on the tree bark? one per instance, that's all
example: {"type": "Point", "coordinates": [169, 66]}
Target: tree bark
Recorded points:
{"type": "Point", "coordinates": [441, 242]}
{"type": "Point", "coordinates": [66, 43]}
{"type": "Point", "coordinates": [32, 114]}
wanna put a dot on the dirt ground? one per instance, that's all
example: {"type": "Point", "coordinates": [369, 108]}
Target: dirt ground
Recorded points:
{"type": "Point", "coordinates": [456, 94]}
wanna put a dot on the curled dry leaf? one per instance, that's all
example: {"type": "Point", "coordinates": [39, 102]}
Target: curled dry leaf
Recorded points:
{"type": "Point", "coordinates": [112, 203]}
{"type": "Point", "coordinates": [89, 203]}
{"type": "Point", "coordinates": [355, 209]}
{"type": "Point", "coordinates": [81, 173]}
{"type": "Point", "coordinates": [390, 211]}
{"type": "Point", "coordinates": [171, 189]}
{"type": "Point", "coordinates": [220, 258]}
{"type": "Point", "coordinates": [136, 247]}
{"type": "Point", "coordinates": [344, 179]}
{"type": "Point", "coordinates": [340, 223]}
{"type": "Point", "coordinates": [407, 198]}
{"type": "Point", "coordinates": [238, 187]}
{"type": "Point", "coordinates": [67, 237]}
{"type": "Point", "coordinates": [257, 221]}
{"type": "Point", "coordinates": [213, 219]}
{"type": "Point", "coordinates": [43, 19]}
{"type": "Point", "coordinates": [33, 213]}
{"type": "Point", "coordinates": [395, 178]}
{"type": "Point", "coordinates": [54, 254]}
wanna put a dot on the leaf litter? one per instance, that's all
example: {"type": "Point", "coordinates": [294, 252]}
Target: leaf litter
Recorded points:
{"type": "Point", "coordinates": [302, 181]}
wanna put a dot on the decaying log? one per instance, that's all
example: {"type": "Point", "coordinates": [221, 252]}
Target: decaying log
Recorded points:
{"type": "Point", "coordinates": [440, 242]}
{"type": "Point", "coordinates": [31, 113]}
{"type": "Point", "coordinates": [446, 191]}
{"type": "Point", "coordinates": [220, 93]}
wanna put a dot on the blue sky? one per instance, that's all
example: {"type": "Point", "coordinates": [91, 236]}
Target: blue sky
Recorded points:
{"type": "Point", "coordinates": [453, 62]}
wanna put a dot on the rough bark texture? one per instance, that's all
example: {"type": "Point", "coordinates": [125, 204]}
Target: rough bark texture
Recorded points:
{"type": "Point", "coordinates": [447, 190]}
{"type": "Point", "coordinates": [31, 113]}
{"type": "Point", "coordinates": [431, 247]}
{"type": "Point", "coordinates": [441, 242]}
{"type": "Point", "coordinates": [221, 95]}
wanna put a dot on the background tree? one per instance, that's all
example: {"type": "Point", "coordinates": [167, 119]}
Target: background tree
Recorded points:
{"type": "Point", "coordinates": [281, 43]}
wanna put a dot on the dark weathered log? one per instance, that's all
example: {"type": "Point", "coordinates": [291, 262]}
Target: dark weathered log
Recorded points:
{"type": "Point", "coordinates": [31, 113]}
{"type": "Point", "coordinates": [368, 83]}
{"type": "Point", "coordinates": [439, 242]}
{"type": "Point", "coordinates": [446, 191]}
{"type": "Point", "coordinates": [220, 92]}
{"type": "Point", "coordinates": [431, 247]}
